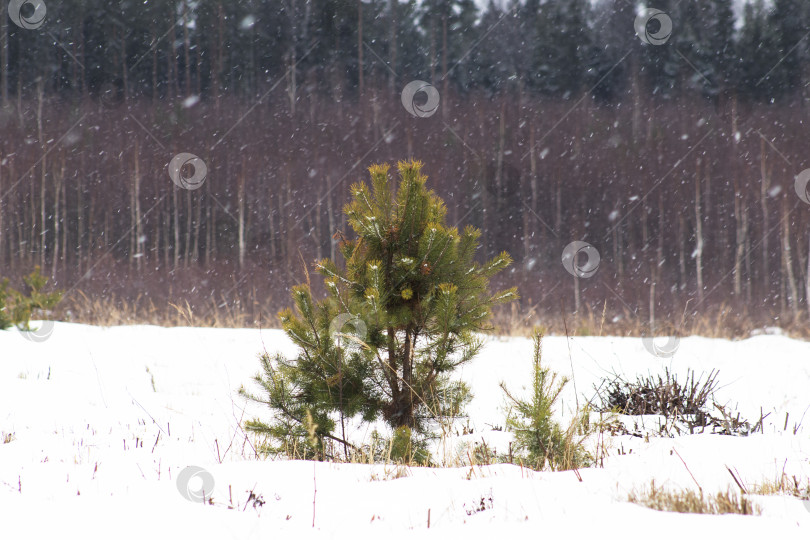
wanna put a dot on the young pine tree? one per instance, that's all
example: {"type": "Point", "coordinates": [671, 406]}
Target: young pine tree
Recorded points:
{"type": "Point", "coordinates": [399, 317]}
{"type": "Point", "coordinates": [537, 434]}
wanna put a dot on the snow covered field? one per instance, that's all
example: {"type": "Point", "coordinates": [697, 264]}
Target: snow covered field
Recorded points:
{"type": "Point", "coordinates": [100, 422]}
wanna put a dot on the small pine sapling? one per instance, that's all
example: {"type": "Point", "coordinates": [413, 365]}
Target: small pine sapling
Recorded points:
{"type": "Point", "coordinates": [399, 318]}
{"type": "Point", "coordinates": [17, 308]}
{"type": "Point", "coordinates": [537, 434]}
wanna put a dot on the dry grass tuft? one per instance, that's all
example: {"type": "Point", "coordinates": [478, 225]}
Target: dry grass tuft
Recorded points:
{"type": "Point", "coordinates": [693, 502]}
{"type": "Point", "coordinates": [784, 485]}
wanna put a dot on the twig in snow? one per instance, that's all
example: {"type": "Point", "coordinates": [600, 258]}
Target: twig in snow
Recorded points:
{"type": "Point", "coordinates": [690, 472]}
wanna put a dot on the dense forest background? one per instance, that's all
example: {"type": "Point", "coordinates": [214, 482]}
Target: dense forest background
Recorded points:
{"type": "Point", "coordinates": [676, 161]}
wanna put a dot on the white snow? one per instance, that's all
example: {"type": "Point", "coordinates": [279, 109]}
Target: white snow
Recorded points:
{"type": "Point", "coordinates": [95, 451]}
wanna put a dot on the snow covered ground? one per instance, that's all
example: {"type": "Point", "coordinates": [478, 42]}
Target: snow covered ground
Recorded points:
{"type": "Point", "coordinates": [100, 422]}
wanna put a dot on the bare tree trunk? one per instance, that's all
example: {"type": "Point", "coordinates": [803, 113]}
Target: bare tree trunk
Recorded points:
{"type": "Point", "coordinates": [432, 50]}
{"type": "Point", "coordinates": [65, 230]}
{"type": "Point", "coordinates": [787, 263]}
{"type": "Point", "coordinates": [209, 225]}
{"type": "Point", "coordinates": [186, 51]}
{"type": "Point", "coordinates": [241, 213]}
{"type": "Point", "coordinates": [4, 60]}
{"type": "Point", "coordinates": [698, 235]}
{"type": "Point", "coordinates": [195, 251]}
{"type": "Point", "coordinates": [765, 185]}
{"type": "Point", "coordinates": [155, 94]}
{"type": "Point", "coordinates": [176, 224]}
{"type": "Point", "coordinates": [445, 78]}
{"type": "Point", "coordinates": [138, 226]}
{"type": "Point", "coordinates": [59, 181]}
{"type": "Point", "coordinates": [741, 219]}
{"type": "Point", "coordinates": [41, 138]}
{"type": "Point", "coordinates": [636, 120]}
{"type": "Point", "coordinates": [124, 70]}
{"type": "Point", "coordinates": [392, 44]}
{"type": "Point", "coordinates": [3, 240]}
{"type": "Point", "coordinates": [807, 280]}
{"type": "Point", "coordinates": [653, 278]}
{"type": "Point", "coordinates": [80, 220]}
{"type": "Point", "coordinates": [330, 213]}
{"type": "Point", "coordinates": [174, 76]}
{"type": "Point", "coordinates": [291, 81]}
{"type": "Point", "coordinates": [189, 225]}
{"type": "Point", "coordinates": [167, 228]}
{"type": "Point", "coordinates": [216, 65]}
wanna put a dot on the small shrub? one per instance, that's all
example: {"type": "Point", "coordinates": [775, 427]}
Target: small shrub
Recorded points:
{"type": "Point", "coordinates": [658, 395]}
{"type": "Point", "coordinates": [693, 502]}
{"type": "Point", "coordinates": [537, 435]}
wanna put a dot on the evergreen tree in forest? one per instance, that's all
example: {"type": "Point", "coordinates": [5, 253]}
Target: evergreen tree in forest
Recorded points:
{"type": "Point", "coordinates": [757, 53]}
{"type": "Point", "coordinates": [790, 30]}
{"type": "Point", "coordinates": [399, 318]}
{"type": "Point", "coordinates": [563, 52]}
